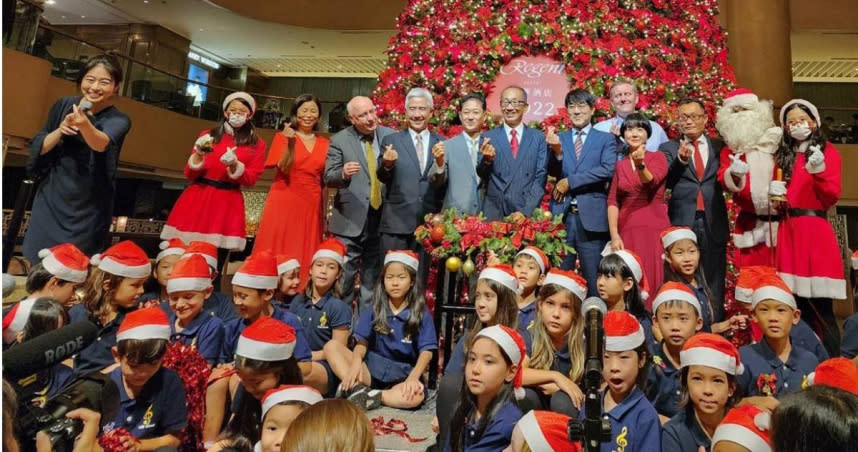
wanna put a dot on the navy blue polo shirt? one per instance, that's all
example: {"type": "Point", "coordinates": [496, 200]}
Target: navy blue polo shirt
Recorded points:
{"type": "Point", "coordinates": [849, 343]}
{"type": "Point", "coordinates": [683, 433]}
{"type": "Point", "coordinates": [761, 363]}
{"type": "Point", "coordinates": [526, 316]}
{"type": "Point", "coordinates": [320, 319]}
{"type": "Point", "coordinates": [49, 383]}
{"type": "Point", "coordinates": [562, 361]}
{"type": "Point", "coordinates": [803, 336]}
{"type": "Point", "coordinates": [634, 425]}
{"type": "Point", "coordinates": [397, 345]}
{"type": "Point", "coordinates": [498, 433]}
{"type": "Point", "coordinates": [218, 303]}
{"type": "Point", "coordinates": [704, 306]}
{"type": "Point", "coordinates": [205, 332]}
{"type": "Point", "coordinates": [97, 355]}
{"type": "Point", "coordinates": [663, 384]}
{"type": "Point", "coordinates": [234, 327]}
{"type": "Point", "coordinates": [651, 343]}
{"type": "Point", "coordinates": [158, 410]}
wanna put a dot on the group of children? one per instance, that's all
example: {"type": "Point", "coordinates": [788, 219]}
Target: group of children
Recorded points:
{"type": "Point", "coordinates": [514, 379]}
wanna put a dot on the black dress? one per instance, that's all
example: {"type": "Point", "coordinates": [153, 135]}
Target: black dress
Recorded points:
{"type": "Point", "coordinates": [74, 198]}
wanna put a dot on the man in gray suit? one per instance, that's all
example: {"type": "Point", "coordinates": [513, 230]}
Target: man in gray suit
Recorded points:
{"type": "Point", "coordinates": [468, 160]}
{"type": "Point", "coordinates": [351, 169]}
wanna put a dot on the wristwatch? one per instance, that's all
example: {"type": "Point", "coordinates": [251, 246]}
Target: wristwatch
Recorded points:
{"type": "Point", "coordinates": [640, 166]}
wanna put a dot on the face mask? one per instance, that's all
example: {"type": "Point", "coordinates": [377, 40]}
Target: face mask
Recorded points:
{"type": "Point", "coordinates": [237, 120]}
{"type": "Point", "coordinates": [800, 131]}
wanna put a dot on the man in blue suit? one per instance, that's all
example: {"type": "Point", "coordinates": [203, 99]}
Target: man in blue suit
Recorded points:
{"type": "Point", "coordinates": [468, 160]}
{"type": "Point", "coordinates": [583, 160]}
{"type": "Point", "coordinates": [416, 181]}
{"type": "Point", "coordinates": [517, 180]}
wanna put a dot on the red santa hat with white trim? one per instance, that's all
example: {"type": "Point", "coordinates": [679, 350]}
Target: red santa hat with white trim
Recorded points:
{"type": "Point", "coordinates": [772, 287]}
{"type": "Point", "coordinates": [266, 339]}
{"type": "Point", "coordinates": [504, 275]}
{"type": "Point", "coordinates": [623, 332]}
{"type": "Point", "coordinates": [173, 247]}
{"type": "Point", "coordinates": [568, 280]}
{"type": "Point", "coordinates": [204, 249]}
{"type": "Point", "coordinates": [748, 279]}
{"type": "Point", "coordinates": [259, 271]}
{"type": "Point", "coordinates": [672, 291]}
{"type": "Point", "coordinates": [332, 249]}
{"type": "Point", "coordinates": [538, 255]}
{"type": "Point", "coordinates": [124, 259]}
{"type": "Point", "coordinates": [286, 264]}
{"type": "Point", "coordinates": [839, 373]}
{"type": "Point", "coordinates": [855, 260]}
{"type": "Point", "coordinates": [144, 324]}
{"type": "Point", "coordinates": [190, 274]}
{"type": "Point", "coordinates": [711, 350]}
{"type": "Point", "coordinates": [674, 234]}
{"type": "Point", "coordinates": [512, 344]}
{"type": "Point", "coordinates": [16, 319]}
{"type": "Point", "coordinates": [405, 257]}
{"type": "Point", "coordinates": [635, 264]}
{"type": "Point", "coordinates": [546, 431]}
{"type": "Point", "coordinates": [747, 426]}
{"type": "Point", "coordinates": [65, 261]}
{"type": "Point", "coordinates": [289, 393]}
{"type": "Point", "coordinates": [740, 97]}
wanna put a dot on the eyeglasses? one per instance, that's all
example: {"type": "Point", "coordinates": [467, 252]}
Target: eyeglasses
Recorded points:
{"type": "Point", "coordinates": [694, 117]}
{"type": "Point", "coordinates": [512, 103]}
{"type": "Point", "coordinates": [104, 82]}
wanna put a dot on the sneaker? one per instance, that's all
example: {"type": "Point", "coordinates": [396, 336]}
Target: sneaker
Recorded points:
{"type": "Point", "coordinates": [358, 395]}
{"type": "Point", "coordinates": [373, 399]}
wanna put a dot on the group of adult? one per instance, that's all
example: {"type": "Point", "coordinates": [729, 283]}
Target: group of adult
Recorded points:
{"type": "Point", "coordinates": [620, 181]}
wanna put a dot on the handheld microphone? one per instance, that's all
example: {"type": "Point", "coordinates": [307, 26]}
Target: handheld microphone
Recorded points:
{"type": "Point", "coordinates": [594, 310]}
{"type": "Point", "coordinates": [85, 106]}
{"type": "Point", "coordinates": [48, 349]}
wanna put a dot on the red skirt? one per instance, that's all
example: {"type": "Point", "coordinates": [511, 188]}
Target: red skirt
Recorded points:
{"type": "Point", "coordinates": [808, 258]}
{"type": "Point", "coordinates": [210, 214]}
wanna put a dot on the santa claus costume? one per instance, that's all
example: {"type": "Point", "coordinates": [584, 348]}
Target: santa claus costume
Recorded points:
{"type": "Point", "coordinates": [224, 159]}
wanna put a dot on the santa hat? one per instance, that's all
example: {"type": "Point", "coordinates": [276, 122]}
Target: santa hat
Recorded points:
{"type": "Point", "coordinates": [623, 332]}
{"type": "Point", "coordinates": [568, 280]}
{"type": "Point", "coordinates": [143, 324]}
{"type": "Point", "coordinates": [172, 247]}
{"type": "Point", "coordinates": [747, 426]}
{"type": "Point", "coordinates": [332, 249]}
{"type": "Point", "coordinates": [635, 264]}
{"type": "Point", "coordinates": [192, 273]}
{"type": "Point", "coordinates": [839, 373]}
{"type": "Point", "coordinates": [243, 96]}
{"type": "Point", "coordinates": [673, 290]}
{"type": "Point", "coordinates": [404, 257]}
{"type": "Point", "coordinates": [16, 319]}
{"type": "Point", "coordinates": [66, 262]}
{"type": "Point", "coordinates": [286, 264]}
{"type": "Point", "coordinates": [124, 259]}
{"type": "Point", "coordinates": [538, 255]}
{"type": "Point", "coordinates": [266, 339]}
{"type": "Point", "coordinates": [813, 111]}
{"type": "Point", "coordinates": [855, 260]}
{"type": "Point", "coordinates": [259, 271]}
{"type": "Point", "coordinates": [748, 280]}
{"type": "Point", "coordinates": [289, 393]}
{"type": "Point", "coordinates": [711, 350]}
{"type": "Point", "coordinates": [674, 234]}
{"type": "Point", "coordinates": [204, 249]}
{"type": "Point", "coordinates": [772, 287]}
{"type": "Point", "coordinates": [740, 97]}
{"type": "Point", "coordinates": [503, 275]}
{"type": "Point", "coordinates": [512, 344]}
{"type": "Point", "coordinates": [546, 431]}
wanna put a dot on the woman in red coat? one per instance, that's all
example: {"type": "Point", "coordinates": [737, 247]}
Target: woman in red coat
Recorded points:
{"type": "Point", "coordinates": [224, 159]}
{"type": "Point", "coordinates": [808, 256]}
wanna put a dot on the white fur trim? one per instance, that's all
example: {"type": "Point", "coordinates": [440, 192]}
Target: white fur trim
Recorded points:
{"type": "Point", "coordinates": [742, 436]}
{"type": "Point", "coordinates": [402, 258]}
{"type": "Point", "coordinates": [744, 294]}
{"type": "Point", "coordinates": [674, 294]}
{"type": "Point", "coordinates": [115, 268]}
{"type": "Point", "coordinates": [255, 281]}
{"type": "Point", "coordinates": [760, 234]}
{"type": "Point", "coordinates": [625, 343]}
{"type": "Point", "coordinates": [300, 394]}
{"type": "Point", "coordinates": [806, 104]}
{"type": "Point", "coordinates": [239, 170]}
{"type": "Point", "coordinates": [811, 378]}
{"type": "Point", "coordinates": [519, 392]}
{"type": "Point", "coordinates": [632, 263]}
{"type": "Point", "coordinates": [533, 434]}
{"type": "Point", "coordinates": [263, 351]}
{"type": "Point", "coordinates": [288, 266]}
{"type": "Point", "coordinates": [815, 286]}
{"type": "Point", "coordinates": [535, 256]}
{"type": "Point", "coordinates": [741, 100]}
{"type": "Point", "coordinates": [188, 284]}
{"type": "Point", "coordinates": [504, 341]}
{"type": "Point", "coordinates": [855, 262]}
{"type": "Point", "coordinates": [567, 283]}
{"type": "Point", "coordinates": [337, 257]}
{"type": "Point", "coordinates": [21, 315]}
{"type": "Point", "coordinates": [230, 242]}
{"type": "Point", "coordinates": [144, 332]}
{"type": "Point", "coordinates": [211, 260]}
{"type": "Point", "coordinates": [243, 96]}
{"type": "Point", "coordinates": [170, 252]}
{"type": "Point", "coordinates": [196, 166]}
{"type": "Point", "coordinates": [709, 357]}
{"type": "Point", "coordinates": [773, 293]}
{"type": "Point", "coordinates": [680, 234]}
{"type": "Point", "coordinates": [501, 277]}
{"type": "Point", "coordinates": [731, 184]}
{"type": "Point", "coordinates": [56, 268]}
{"type": "Point", "coordinates": [256, 447]}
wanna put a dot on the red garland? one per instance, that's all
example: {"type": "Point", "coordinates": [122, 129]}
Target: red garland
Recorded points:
{"type": "Point", "coordinates": [194, 372]}
{"type": "Point", "coordinates": [394, 426]}
{"type": "Point", "coordinates": [731, 306]}
{"type": "Point", "coordinates": [432, 285]}
{"type": "Point", "coordinates": [112, 441]}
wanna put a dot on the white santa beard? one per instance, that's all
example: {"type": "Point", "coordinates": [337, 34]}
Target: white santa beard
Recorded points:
{"type": "Point", "coordinates": [761, 165]}
{"type": "Point", "coordinates": [742, 129]}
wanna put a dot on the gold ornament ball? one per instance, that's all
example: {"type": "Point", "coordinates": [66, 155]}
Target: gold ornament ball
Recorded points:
{"type": "Point", "coordinates": [468, 267]}
{"type": "Point", "coordinates": [546, 215]}
{"type": "Point", "coordinates": [453, 264]}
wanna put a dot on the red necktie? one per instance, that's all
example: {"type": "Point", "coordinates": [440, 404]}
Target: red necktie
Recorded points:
{"type": "Point", "coordinates": [513, 142]}
{"type": "Point", "coordinates": [698, 166]}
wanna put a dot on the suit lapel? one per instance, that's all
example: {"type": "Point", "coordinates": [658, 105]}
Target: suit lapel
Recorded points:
{"type": "Point", "coordinates": [360, 150]}
{"type": "Point", "coordinates": [430, 159]}
{"type": "Point", "coordinates": [410, 151]}
{"type": "Point", "coordinates": [712, 161]}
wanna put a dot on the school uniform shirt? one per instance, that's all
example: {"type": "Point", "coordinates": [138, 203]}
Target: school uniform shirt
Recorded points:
{"type": "Point", "coordinates": [705, 313]}
{"type": "Point", "coordinates": [498, 433]}
{"type": "Point", "coordinates": [456, 364]}
{"type": "Point", "coordinates": [400, 348]}
{"type": "Point", "coordinates": [320, 319]}
{"type": "Point", "coordinates": [663, 384]}
{"type": "Point", "coordinates": [205, 332]}
{"type": "Point", "coordinates": [48, 383]}
{"type": "Point", "coordinates": [526, 316]}
{"type": "Point", "coordinates": [218, 302]}
{"type": "Point", "coordinates": [97, 355]}
{"type": "Point", "coordinates": [803, 336]}
{"type": "Point", "coordinates": [766, 374]}
{"type": "Point", "coordinates": [634, 425]}
{"type": "Point", "coordinates": [158, 409]}
{"type": "Point", "coordinates": [683, 433]}
{"type": "Point", "coordinates": [234, 327]}
{"type": "Point", "coordinates": [649, 338]}
{"type": "Point", "coordinates": [849, 343]}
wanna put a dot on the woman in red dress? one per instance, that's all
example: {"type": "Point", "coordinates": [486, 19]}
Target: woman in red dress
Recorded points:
{"type": "Point", "coordinates": [808, 256]}
{"type": "Point", "coordinates": [292, 218]}
{"type": "Point", "coordinates": [637, 211]}
{"type": "Point", "coordinates": [224, 159]}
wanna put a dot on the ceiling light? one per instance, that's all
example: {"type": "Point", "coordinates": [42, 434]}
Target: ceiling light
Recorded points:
{"type": "Point", "coordinates": [145, 1]}
{"type": "Point", "coordinates": [83, 17]}
{"type": "Point", "coordinates": [49, 2]}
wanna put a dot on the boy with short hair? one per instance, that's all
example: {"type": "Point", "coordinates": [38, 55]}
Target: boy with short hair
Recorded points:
{"type": "Point", "coordinates": [218, 302]}
{"type": "Point", "coordinates": [530, 266]}
{"type": "Point", "coordinates": [171, 252]}
{"type": "Point", "coordinates": [62, 269]}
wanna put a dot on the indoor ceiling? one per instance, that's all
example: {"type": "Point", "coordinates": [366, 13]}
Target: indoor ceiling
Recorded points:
{"type": "Point", "coordinates": [330, 14]}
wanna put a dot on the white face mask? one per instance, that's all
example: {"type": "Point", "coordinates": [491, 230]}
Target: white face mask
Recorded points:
{"type": "Point", "coordinates": [800, 131]}
{"type": "Point", "coordinates": [237, 120]}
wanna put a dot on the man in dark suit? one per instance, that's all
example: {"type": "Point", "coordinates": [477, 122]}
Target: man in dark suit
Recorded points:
{"type": "Point", "coordinates": [351, 169]}
{"type": "Point", "coordinates": [517, 181]}
{"type": "Point", "coordinates": [416, 181]}
{"type": "Point", "coordinates": [468, 159]}
{"type": "Point", "coordinates": [583, 161]}
{"type": "Point", "coordinates": [696, 199]}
